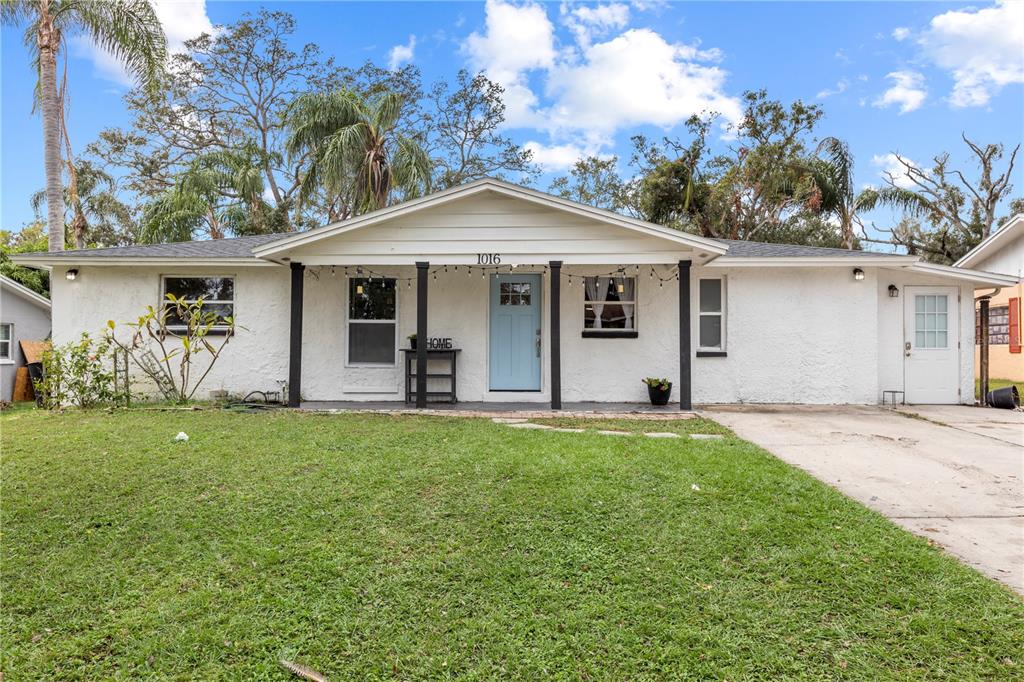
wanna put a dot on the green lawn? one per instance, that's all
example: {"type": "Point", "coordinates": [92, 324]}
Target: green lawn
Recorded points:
{"type": "Point", "coordinates": [993, 384]}
{"type": "Point", "coordinates": [382, 547]}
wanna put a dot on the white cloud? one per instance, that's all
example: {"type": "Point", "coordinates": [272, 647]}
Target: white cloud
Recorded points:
{"type": "Point", "coordinates": [400, 54]}
{"type": "Point", "coordinates": [587, 22]}
{"type": "Point", "coordinates": [981, 48]}
{"type": "Point", "coordinates": [597, 85]}
{"type": "Point", "coordinates": [517, 40]}
{"type": "Point", "coordinates": [890, 167]}
{"type": "Point", "coordinates": [907, 91]}
{"type": "Point", "coordinates": [839, 89]}
{"type": "Point", "coordinates": [181, 21]}
{"type": "Point", "coordinates": [634, 79]}
{"type": "Point", "coordinates": [557, 157]}
{"type": "Point", "coordinates": [900, 33]}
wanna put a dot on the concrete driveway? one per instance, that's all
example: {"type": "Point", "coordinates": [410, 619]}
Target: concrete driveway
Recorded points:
{"type": "Point", "coordinates": [954, 475]}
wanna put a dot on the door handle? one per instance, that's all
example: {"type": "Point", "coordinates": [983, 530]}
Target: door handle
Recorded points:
{"type": "Point", "coordinates": [906, 349]}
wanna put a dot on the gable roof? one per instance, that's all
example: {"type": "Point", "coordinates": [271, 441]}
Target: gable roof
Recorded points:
{"type": "Point", "coordinates": [1014, 227]}
{"type": "Point", "coordinates": [8, 284]}
{"type": "Point", "coordinates": [711, 246]}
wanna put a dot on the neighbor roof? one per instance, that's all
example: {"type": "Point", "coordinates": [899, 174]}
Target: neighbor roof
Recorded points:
{"type": "Point", "coordinates": [24, 292]}
{"type": "Point", "coordinates": [1013, 227]}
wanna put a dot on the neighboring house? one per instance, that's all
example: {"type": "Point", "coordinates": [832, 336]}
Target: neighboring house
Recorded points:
{"type": "Point", "coordinates": [1001, 252]}
{"type": "Point", "coordinates": [24, 314]}
{"type": "Point", "coordinates": [548, 300]}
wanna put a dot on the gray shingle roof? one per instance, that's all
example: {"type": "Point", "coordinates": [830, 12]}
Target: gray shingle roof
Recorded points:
{"type": "Point", "coordinates": [742, 249]}
{"type": "Point", "coordinates": [238, 247]}
{"type": "Point", "coordinates": [241, 247]}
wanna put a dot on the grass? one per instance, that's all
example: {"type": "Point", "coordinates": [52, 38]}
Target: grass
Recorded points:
{"type": "Point", "coordinates": [383, 547]}
{"type": "Point", "coordinates": [682, 426]}
{"type": "Point", "coordinates": [993, 384]}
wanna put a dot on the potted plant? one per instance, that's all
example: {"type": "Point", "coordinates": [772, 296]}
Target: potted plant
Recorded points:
{"type": "Point", "coordinates": [659, 390]}
{"type": "Point", "coordinates": [412, 341]}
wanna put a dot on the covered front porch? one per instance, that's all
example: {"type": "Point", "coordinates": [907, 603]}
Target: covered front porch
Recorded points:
{"type": "Point", "coordinates": [524, 336]}
{"type": "Point", "coordinates": [541, 300]}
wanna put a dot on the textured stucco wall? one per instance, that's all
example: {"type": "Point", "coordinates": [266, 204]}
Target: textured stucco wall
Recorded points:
{"type": "Point", "coordinates": [31, 323]}
{"type": "Point", "coordinates": [1008, 260]}
{"type": "Point", "coordinates": [891, 329]}
{"type": "Point", "coordinates": [810, 335]}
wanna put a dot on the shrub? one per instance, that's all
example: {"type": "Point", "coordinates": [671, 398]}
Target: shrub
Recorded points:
{"type": "Point", "coordinates": [79, 373]}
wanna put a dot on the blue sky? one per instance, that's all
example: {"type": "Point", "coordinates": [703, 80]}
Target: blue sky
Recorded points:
{"type": "Point", "coordinates": [581, 78]}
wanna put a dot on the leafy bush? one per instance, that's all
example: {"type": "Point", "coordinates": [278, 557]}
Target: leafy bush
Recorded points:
{"type": "Point", "coordinates": [178, 331]}
{"type": "Point", "coordinates": [79, 373]}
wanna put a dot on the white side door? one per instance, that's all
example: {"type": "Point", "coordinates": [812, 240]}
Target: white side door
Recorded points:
{"type": "Point", "coordinates": [931, 352]}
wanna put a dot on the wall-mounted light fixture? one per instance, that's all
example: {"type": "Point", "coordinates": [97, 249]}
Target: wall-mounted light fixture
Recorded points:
{"type": "Point", "coordinates": [894, 291]}
{"type": "Point", "coordinates": [71, 274]}
{"type": "Point", "coordinates": [858, 274]}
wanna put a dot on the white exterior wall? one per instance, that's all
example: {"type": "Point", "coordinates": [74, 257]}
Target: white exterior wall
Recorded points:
{"type": "Point", "coordinates": [794, 335]}
{"type": "Point", "coordinates": [255, 359]}
{"type": "Point", "coordinates": [1007, 260]}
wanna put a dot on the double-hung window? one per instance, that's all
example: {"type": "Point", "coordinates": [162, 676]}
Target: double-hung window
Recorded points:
{"type": "Point", "coordinates": [711, 335]}
{"type": "Point", "coordinates": [218, 294]}
{"type": "Point", "coordinates": [372, 324]}
{"type": "Point", "coordinates": [609, 306]}
{"type": "Point", "coordinates": [6, 339]}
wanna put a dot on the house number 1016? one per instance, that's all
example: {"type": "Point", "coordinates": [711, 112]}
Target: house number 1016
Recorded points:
{"type": "Point", "coordinates": [488, 258]}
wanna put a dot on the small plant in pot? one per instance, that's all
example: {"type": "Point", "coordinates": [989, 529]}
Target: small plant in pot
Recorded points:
{"type": "Point", "coordinates": [412, 341]}
{"type": "Point", "coordinates": [659, 390]}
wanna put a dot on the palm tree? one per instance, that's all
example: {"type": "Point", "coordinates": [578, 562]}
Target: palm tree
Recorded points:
{"type": "Point", "coordinates": [98, 214]}
{"type": "Point", "coordinates": [834, 187]}
{"type": "Point", "coordinates": [129, 29]}
{"type": "Point", "coordinates": [353, 151]}
{"type": "Point", "coordinates": [221, 191]}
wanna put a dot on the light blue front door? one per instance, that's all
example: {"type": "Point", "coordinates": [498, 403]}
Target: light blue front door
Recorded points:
{"type": "Point", "coordinates": [515, 333]}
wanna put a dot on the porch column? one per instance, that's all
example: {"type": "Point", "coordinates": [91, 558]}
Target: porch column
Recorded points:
{"type": "Point", "coordinates": [685, 401]}
{"type": "Point", "coordinates": [984, 304]}
{"type": "Point", "coordinates": [556, 334]}
{"type": "Point", "coordinates": [421, 333]}
{"type": "Point", "coordinates": [295, 338]}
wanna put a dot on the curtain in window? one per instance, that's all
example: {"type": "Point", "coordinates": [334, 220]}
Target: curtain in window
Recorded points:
{"type": "Point", "coordinates": [628, 294]}
{"type": "Point", "coordinates": [597, 292]}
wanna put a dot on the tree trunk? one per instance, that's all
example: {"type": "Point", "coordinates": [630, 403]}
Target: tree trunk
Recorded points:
{"type": "Point", "coordinates": [51, 109]}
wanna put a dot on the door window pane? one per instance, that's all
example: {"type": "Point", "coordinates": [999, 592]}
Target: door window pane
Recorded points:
{"type": "Point", "coordinates": [931, 321]}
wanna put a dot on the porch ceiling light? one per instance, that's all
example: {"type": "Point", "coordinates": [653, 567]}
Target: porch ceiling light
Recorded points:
{"type": "Point", "coordinates": [858, 274]}
{"type": "Point", "coordinates": [71, 274]}
{"type": "Point", "coordinates": [894, 291]}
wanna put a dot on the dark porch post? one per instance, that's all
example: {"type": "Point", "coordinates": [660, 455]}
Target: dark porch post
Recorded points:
{"type": "Point", "coordinates": [684, 336]}
{"type": "Point", "coordinates": [984, 305]}
{"type": "Point", "coordinates": [556, 334]}
{"type": "Point", "coordinates": [295, 339]}
{"type": "Point", "coordinates": [421, 333]}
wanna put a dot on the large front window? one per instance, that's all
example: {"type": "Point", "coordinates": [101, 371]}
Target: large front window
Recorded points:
{"type": "Point", "coordinates": [217, 293]}
{"type": "Point", "coordinates": [609, 305]}
{"type": "Point", "coordinates": [371, 321]}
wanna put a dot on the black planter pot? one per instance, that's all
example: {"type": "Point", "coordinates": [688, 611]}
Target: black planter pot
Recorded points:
{"type": "Point", "coordinates": [659, 396]}
{"type": "Point", "coordinates": [412, 344]}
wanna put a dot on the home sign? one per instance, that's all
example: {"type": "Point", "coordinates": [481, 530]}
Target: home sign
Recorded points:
{"type": "Point", "coordinates": [437, 343]}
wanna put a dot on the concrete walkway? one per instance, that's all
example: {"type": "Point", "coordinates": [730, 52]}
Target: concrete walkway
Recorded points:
{"type": "Point", "coordinates": [954, 475]}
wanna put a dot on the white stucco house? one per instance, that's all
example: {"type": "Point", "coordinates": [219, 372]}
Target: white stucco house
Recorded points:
{"type": "Point", "coordinates": [24, 315]}
{"type": "Point", "coordinates": [1002, 252]}
{"type": "Point", "coordinates": [547, 301]}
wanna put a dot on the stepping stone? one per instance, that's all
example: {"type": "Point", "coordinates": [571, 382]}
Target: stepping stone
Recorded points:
{"type": "Point", "coordinates": [560, 430]}
{"type": "Point", "coordinates": [662, 434]}
{"type": "Point", "coordinates": [615, 433]}
{"type": "Point", "coordinates": [706, 436]}
{"type": "Point", "coordinates": [528, 425]}
{"type": "Point", "coordinates": [508, 420]}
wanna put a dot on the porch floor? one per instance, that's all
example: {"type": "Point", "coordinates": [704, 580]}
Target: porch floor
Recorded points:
{"type": "Point", "coordinates": [506, 410]}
